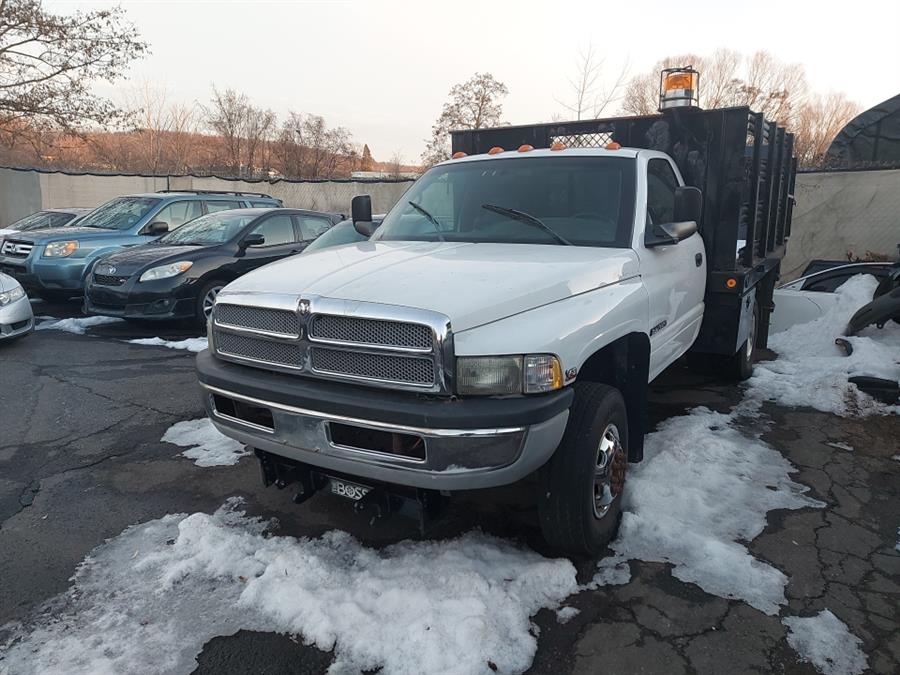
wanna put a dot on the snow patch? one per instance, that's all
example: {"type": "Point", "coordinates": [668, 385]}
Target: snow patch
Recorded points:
{"type": "Point", "coordinates": [701, 492]}
{"type": "Point", "coordinates": [77, 324]}
{"type": "Point", "coordinates": [147, 600]}
{"type": "Point", "coordinates": [197, 344]}
{"type": "Point", "coordinates": [206, 444]}
{"type": "Point", "coordinates": [825, 641]}
{"type": "Point", "coordinates": [566, 614]}
{"type": "Point", "coordinates": [612, 571]}
{"type": "Point", "coordinates": [812, 371]}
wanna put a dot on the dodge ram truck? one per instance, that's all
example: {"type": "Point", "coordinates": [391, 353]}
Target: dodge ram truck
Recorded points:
{"type": "Point", "coordinates": [504, 320]}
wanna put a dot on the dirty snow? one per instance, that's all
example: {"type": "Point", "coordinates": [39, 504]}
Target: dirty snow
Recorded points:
{"type": "Point", "coordinates": [700, 494]}
{"type": "Point", "coordinates": [825, 641]}
{"type": "Point", "coordinates": [840, 446]}
{"type": "Point", "coordinates": [206, 444]}
{"type": "Point", "coordinates": [812, 371]}
{"type": "Point", "coordinates": [197, 344]}
{"type": "Point", "coordinates": [566, 614]}
{"type": "Point", "coordinates": [612, 570]}
{"type": "Point", "coordinates": [147, 600]}
{"type": "Point", "coordinates": [78, 324]}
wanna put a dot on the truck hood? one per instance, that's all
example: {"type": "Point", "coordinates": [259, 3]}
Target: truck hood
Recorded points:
{"type": "Point", "coordinates": [66, 234]}
{"type": "Point", "coordinates": [473, 284]}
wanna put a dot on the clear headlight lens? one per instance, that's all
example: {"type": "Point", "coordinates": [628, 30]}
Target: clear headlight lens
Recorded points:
{"type": "Point", "coordinates": [166, 271]}
{"type": "Point", "coordinates": [60, 249]}
{"type": "Point", "coordinates": [516, 374]}
{"type": "Point", "coordinates": [12, 295]}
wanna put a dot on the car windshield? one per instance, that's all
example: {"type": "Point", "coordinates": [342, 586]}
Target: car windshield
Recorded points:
{"type": "Point", "coordinates": [580, 200]}
{"type": "Point", "coordinates": [213, 228]}
{"type": "Point", "coordinates": [42, 220]}
{"type": "Point", "coordinates": [119, 214]}
{"type": "Point", "coordinates": [342, 233]}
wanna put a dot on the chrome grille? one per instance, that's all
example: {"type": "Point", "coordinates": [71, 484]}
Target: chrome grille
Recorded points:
{"type": "Point", "coordinates": [258, 318]}
{"type": "Point", "coordinates": [259, 349]}
{"type": "Point", "coordinates": [383, 367]}
{"type": "Point", "coordinates": [109, 280]}
{"type": "Point", "coordinates": [371, 332]}
{"type": "Point", "coordinates": [17, 249]}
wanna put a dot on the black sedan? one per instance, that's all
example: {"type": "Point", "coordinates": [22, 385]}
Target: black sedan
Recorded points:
{"type": "Point", "coordinates": [179, 275]}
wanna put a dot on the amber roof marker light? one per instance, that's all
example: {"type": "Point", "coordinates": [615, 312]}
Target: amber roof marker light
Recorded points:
{"type": "Point", "coordinates": [496, 150]}
{"type": "Point", "coordinates": [679, 88]}
{"type": "Point", "coordinates": [458, 155]}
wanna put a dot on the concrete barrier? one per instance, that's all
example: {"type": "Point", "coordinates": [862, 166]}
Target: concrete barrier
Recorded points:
{"type": "Point", "coordinates": [26, 191]}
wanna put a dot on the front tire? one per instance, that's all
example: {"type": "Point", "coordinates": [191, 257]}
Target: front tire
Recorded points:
{"type": "Point", "coordinates": [580, 504]}
{"type": "Point", "coordinates": [207, 298]}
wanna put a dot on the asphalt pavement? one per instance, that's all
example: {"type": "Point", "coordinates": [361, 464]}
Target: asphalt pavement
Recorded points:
{"type": "Point", "coordinates": [81, 460]}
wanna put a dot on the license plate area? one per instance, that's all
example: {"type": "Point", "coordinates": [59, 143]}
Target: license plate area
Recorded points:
{"type": "Point", "coordinates": [347, 489]}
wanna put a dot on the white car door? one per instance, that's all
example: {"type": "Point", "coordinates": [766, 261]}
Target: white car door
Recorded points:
{"type": "Point", "coordinates": [674, 276]}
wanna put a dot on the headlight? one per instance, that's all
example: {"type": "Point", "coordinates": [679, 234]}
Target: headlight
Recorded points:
{"type": "Point", "coordinates": [60, 249]}
{"type": "Point", "coordinates": [12, 295]}
{"type": "Point", "coordinates": [166, 271]}
{"type": "Point", "coordinates": [498, 375]}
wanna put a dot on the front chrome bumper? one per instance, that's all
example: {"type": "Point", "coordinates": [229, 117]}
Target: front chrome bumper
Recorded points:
{"type": "Point", "coordinates": [455, 459]}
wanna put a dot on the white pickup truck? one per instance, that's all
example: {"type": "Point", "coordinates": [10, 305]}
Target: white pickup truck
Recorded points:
{"type": "Point", "coordinates": [502, 323]}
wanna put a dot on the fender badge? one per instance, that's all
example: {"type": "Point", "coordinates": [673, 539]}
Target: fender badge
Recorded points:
{"type": "Point", "coordinates": [571, 373]}
{"type": "Point", "coordinates": [303, 306]}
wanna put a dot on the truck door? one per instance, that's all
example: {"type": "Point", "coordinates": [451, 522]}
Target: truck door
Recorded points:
{"type": "Point", "coordinates": [674, 276]}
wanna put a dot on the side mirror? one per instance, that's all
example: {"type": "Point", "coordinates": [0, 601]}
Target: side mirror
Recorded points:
{"type": "Point", "coordinates": [688, 204]}
{"type": "Point", "coordinates": [156, 227]}
{"type": "Point", "coordinates": [361, 213]}
{"type": "Point", "coordinates": [253, 239]}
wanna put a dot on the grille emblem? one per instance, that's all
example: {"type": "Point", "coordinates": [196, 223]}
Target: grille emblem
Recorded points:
{"type": "Point", "coordinates": [111, 270]}
{"type": "Point", "coordinates": [303, 307]}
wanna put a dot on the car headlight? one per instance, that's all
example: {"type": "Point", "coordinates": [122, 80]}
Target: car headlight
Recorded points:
{"type": "Point", "coordinates": [60, 249]}
{"type": "Point", "coordinates": [11, 295]}
{"type": "Point", "coordinates": [166, 271]}
{"type": "Point", "coordinates": [516, 374]}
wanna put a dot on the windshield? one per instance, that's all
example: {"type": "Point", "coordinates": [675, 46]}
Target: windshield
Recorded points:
{"type": "Point", "coordinates": [342, 233]}
{"type": "Point", "coordinates": [119, 214]}
{"type": "Point", "coordinates": [42, 220]}
{"type": "Point", "coordinates": [213, 228]}
{"type": "Point", "coordinates": [585, 201]}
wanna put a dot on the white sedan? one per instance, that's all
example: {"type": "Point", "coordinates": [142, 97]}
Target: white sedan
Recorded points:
{"type": "Point", "coordinates": [16, 318]}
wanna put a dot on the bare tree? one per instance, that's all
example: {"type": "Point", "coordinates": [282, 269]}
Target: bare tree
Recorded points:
{"type": "Point", "coordinates": [307, 148]}
{"type": "Point", "coordinates": [816, 124]}
{"type": "Point", "coordinates": [395, 165]}
{"type": "Point", "coordinates": [473, 104]}
{"type": "Point", "coordinates": [589, 97]}
{"type": "Point", "coordinates": [245, 131]}
{"type": "Point", "coordinates": [49, 64]}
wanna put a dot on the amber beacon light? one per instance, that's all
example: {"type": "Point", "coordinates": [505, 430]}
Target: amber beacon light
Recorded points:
{"type": "Point", "coordinates": [679, 88]}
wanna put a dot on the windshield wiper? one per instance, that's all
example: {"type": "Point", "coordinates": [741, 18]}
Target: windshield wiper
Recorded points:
{"type": "Point", "coordinates": [523, 217]}
{"type": "Point", "coordinates": [431, 219]}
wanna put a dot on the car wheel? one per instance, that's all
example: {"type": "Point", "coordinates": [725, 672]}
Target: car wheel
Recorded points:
{"type": "Point", "coordinates": [739, 367]}
{"type": "Point", "coordinates": [207, 298]}
{"type": "Point", "coordinates": [580, 503]}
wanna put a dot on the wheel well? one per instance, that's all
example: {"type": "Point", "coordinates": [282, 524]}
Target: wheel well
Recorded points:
{"type": "Point", "coordinates": [625, 365]}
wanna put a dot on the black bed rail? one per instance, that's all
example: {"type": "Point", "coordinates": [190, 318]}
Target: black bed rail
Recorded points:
{"type": "Point", "coordinates": [742, 162]}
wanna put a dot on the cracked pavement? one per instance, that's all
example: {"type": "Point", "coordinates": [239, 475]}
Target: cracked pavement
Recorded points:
{"type": "Point", "coordinates": [81, 460]}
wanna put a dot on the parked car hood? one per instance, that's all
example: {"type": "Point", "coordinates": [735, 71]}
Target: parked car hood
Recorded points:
{"type": "Point", "coordinates": [473, 284]}
{"type": "Point", "coordinates": [135, 258]}
{"type": "Point", "coordinates": [67, 234]}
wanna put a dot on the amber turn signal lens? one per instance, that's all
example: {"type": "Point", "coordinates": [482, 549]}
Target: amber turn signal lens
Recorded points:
{"type": "Point", "coordinates": [731, 283]}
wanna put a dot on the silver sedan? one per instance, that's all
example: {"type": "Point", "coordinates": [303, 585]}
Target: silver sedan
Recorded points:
{"type": "Point", "coordinates": [16, 318]}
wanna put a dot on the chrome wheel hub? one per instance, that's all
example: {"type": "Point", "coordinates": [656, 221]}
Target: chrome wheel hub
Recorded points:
{"type": "Point", "coordinates": [209, 300]}
{"type": "Point", "coordinates": [609, 471]}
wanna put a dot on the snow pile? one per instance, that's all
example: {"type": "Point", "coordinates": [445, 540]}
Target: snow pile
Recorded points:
{"type": "Point", "coordinates": [149, 599]}
{"type": "Point", "coordinates": [197, 344]}
{"type": "Point", "coordinates": [566, 614]}
{"type": "Point", "coordinates": [78, 324]}
{"type": "Point", "coordinates": [812, 371]}
{"type": "Point", "coordinates": [206, 444]}
{"type": "Point", "coordinates": [701, 492]}
{"type": "Point", "coordinates": [824, 641]}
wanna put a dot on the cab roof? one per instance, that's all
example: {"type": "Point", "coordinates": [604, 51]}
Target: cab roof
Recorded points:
{"type": "Point", "coordinates": [627, 153]}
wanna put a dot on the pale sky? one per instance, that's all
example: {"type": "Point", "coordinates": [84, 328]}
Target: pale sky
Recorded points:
{"type": "Point", "coordinates": [383, 68]}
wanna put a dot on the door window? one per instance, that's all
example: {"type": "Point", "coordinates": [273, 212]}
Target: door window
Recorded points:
{"type": "Point", "coordinates": [277, 230]}
{"type": "Point", "coordinates": [311, 227]}
{"type": "Point", "coordinates": [177, 214]}
{"type": "Point", "coordinates": [212, 207]}
{"type": "Point", "coordinates": [661, 184]}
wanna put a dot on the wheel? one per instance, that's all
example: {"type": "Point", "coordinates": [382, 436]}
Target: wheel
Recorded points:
{"type": "Point", "coordinates": [580, 503]}
{"type": "Point", "coordinates": [207, 298]}
{"type": "Point", "coordinates": [739, 366]}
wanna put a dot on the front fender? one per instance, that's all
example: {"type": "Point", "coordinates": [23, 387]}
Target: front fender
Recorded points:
{"type": "Point", "coordinates": [573, 328]}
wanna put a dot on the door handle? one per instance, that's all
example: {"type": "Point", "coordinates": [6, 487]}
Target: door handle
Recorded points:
{"type": "Point", "coordinates": [698, 259]}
